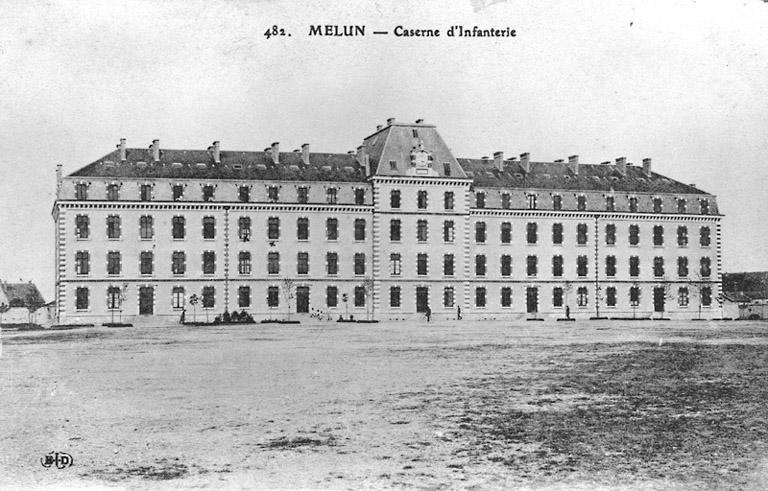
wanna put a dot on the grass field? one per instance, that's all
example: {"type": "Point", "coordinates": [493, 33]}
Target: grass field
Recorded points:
{"type": "Point", "coordinates": [658, 405]}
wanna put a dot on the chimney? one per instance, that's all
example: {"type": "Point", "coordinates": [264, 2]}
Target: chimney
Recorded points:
{"type": "Point", "coordinates": [647, 167]}
{"type": "Point", "coordinates": [621, 165]}
{"type": "Point", "coordinates": [155, 147]}
{"type": "Point", "coordinates": [305, 153]}
{"type": "Point", "coordinates": [378, 127]}
{"type": "Point", "coordinates": [525, 161]}
{"type": "Point", "coordinates": [121, 146]}
{"type": "Point", "coordinates": [485, 157]}
{"type": "Point", "coordinates": [363, 160]}
{"type": "Point", "coordinates": [216, 152]}
{"type": "Point", "coordinates": [58, 179]}
{"type": "Point", "coordinates": [419, 121]}
{"type": "Point", "coordinates": [275, 154]}
{"type": "Point", "coordinates": [559, 161]}
{"type": "Point", "coordinates": [498, 160]}
{"type": "Point", "coordinates": [573, 164]}
{"type": "Point", "coordinates": [390, 121]}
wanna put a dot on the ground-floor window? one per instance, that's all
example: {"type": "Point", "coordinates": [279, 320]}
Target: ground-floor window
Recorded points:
{"type": "Point", "coordinates": [359, 296]}
{"type": "Point", "coordinates": [448, 296]}
{"type": "Point", "coordinates": [506, 296]}
{"type": "Point", "coordinates": [582, 296]}
{"type": "Point", "coordinates": [557, 297]}
{"type": "Point", "coordinates": [273, 296]}
{"type": "Point", "coordinates": [682, 297]}
{"type": "Point", "coordinates": [209, 299]}
{"type": "Point", "coordinates": [610, 296]}
{"type": "Point", "coordinates": [244, 296]}
{"type": "Point", "coordinates": [634, 296]}
{"type": "Point", "coordinates": [480, 296]}
{"type": "Point", "coordinates": [177, 297]}
{"type": "Point", "coordinates": [113, 297]}
{"type": "Point", "coordinates": [81, 298]}
{"type": "Point", "coordinates": [332, 296]}
{"type": "Point", "coordinates": [146, 300]}
{"type": "Point", "coordinates": [394, 296]}
{"type": "Point", "coordinates": [706, 296]}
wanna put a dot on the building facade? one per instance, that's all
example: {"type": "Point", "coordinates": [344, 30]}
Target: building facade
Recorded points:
{"type": "Point", "coordinates": [399, 226]}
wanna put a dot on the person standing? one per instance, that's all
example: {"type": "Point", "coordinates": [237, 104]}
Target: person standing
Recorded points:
{"type": "Point", "coordinates": [458, 312]}
{"type": "Point", "coordinates": [428, 312]}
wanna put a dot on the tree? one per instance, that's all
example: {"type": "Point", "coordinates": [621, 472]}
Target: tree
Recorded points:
{"type": "Point", "coordinates": [567, 287]}
{"type": "Point", "coordinates": [368, 288]}
{"type": "Point", "coordinates": [193, 300]}
{"type": "Point", "coordinates": [33, 301]}
{"type": "Point", "coordinates": [3, 309]}
{"type": "Point", "coordinates": [635, 285]}
{"type": "Point", "coordinates": [288, 293]}
{"type": "Point", "coordinates": [696, 285]}
{"type": "Point", "coordinates": [668, 294]}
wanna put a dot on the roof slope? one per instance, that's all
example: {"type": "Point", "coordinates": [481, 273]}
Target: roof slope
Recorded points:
{"type": "Point", "coordinates": [22, 294]}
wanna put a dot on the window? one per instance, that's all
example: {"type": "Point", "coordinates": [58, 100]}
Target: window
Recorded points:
{"type": "Point", "coordinates": [421, 200]}
{"type": "Point", "coordinates": [634, 235]}
{"type": "Point", "coordinates": [273, 263]}
{"type": "Point", "coordinates": [582, 296]}
{"type": "Point", "coordinates": [506, 202]}
{"type": "Point", "coordinates": [581, 233]}
{"type": "Point", "coordinates": [332, 229]}
{"type": "Point", "coordinates": [581, 203]}
{"type": "Point", "coordinates": [480, 199]}
{"type": "Point", "coordinates": [448, 199]}
{"type": "Point", "coordinates": [557, 233]}
{"type": "Point", "coordinates": [480, 296]}
{"type": "Point", "coordinates": [81, 191]}
{"type": "Point", "coordinates": [421, 264]}
{"type": "Point", "coordinates": [421, 230]}
{"type": "Point", "coordinates": [681, 205]}
{"type": "Point", "coordinates": [682, 266]}
{"type": "Point", "coordinates": [658, 235]}
{"type": "Point", "coordinates": [448, 231]}
{"type": "Point", "coordinates": [682, 236]}
{"type": "Point", "coordinates": [209, 297]}
{"type": "Point", "coordinates": [633, 204]}
{"type": "Point", "coordinates": [480, 232]}
{"type": "Point", "coordinates": [273, 296]}
{"type": "Point", "coordinates": [359, 196]}
{"type": "Point", "coordinates": [581, 266]}
{"type": "Point", "coordinates": [657, 205]}
{"type": "Point", "coordinates": [610, 296]}
{"type": "Point", "coordinates": [704, 237]}
{"type": "Point", "coordinates": [178, 226]}
{"type": "Point", "coordinates": [331, 296]}
{"type": "Point", "coordinates": [706, 296]}
{"type": "Point", "coordinates": [360, 229]}
{"type": "Point", "coordinates": [634, 266]}
{"type": "Point", "coordinates": [146, 230]}
{"type": "Point", "coordinates": [634, 296]}
{"type": "Point", "coordinates": [209, 228]}
{"type": "Point", "coordinates": [658, 266]}
{"type": "Point", "coordinates": [395, 264]}
{"type": "Point", "coordinates": [359, 296]}
{"type": "Point", "coordinates": [145, 192]}
{"type": "Point", "coordinates": [302, 229]}
{"type": "Point", "coordinates": [447, 169]}
{"type": "Point", "coordinates": [706, 267]}
{"type": "Point", "coordinates": [332, 262]}
{"type": "Point", "coordinates": [244, 262]}
{"type": "Point", "coordinates": [480, 265]}
{"type": "Point", "coordinates": [394, 198]}
{"type": "Point", "coordinates": [273, 193]}
{"type": "Point", "coordinates": [704, 206]}
{"type": "Point", "coordinates": [359, 263]}
{"type": "Point", "coordinates": [415, 133]}
{"type": "Point", "coordinates": [392, 165]}
{"type": "Point", "coordinates": [506, 265]}
{"type": "Point", "coordinates": [207, 192]}
{"type": "Point", "coordinates": [682, 296]}
{"type": "Point", "coordinates": [82, 262]}
{"type": "Point", "coordinates": [178, 262]}
{"type": "Point", "coordinates": [610, 234]}
{"type": "Point", "coordinates": [448, 296]}
{"type": "Point", "coordinates": [394, 230]}
{"type": "Point", "coordinates": [506, 232]}
{"type": "Point", "coordinates": [532, 265]}
{"type": "Point", "coordinates": [531, 233]}
{"type": "Point", "coordinates": [244, 195]}
{"type": "Point", "coordinates": [113, 227]}
{"type": "Point", "coordinates": [506, 296]}
{"type": "Point", "coordinates": [209, 262]}
{"type": "Point", "coordinates": [557, 202]}
{"type": "Point", "coordinates": [331, 196]}
{"type": "Point", "coordinates": [113, 298]}
{"type": "Point", "coordinates": [244, 228]}
{"type": "Point", "coordinates": [113, 192]}
{"type": "Point", "coordinates": [302, 263]}
{"type": "Point", "coordinates": [273, 228]}
{"type": "Point", "coordinates": [610, 265]}
{"type": "Point", "coordinates": [178, 192]}
{"type": "Point", "coordinates": [81, 298]}
{"type": "Point", "coordinates": [302, 194]}
{"type": "Point", "coordinates": [557, 266]}
{"type": "Point", "coordinates": [113, 262]}
{"type": "Point", "coordinates": [557, 296]}
{"type": "Point", "coordinates": [610, 203]}
{"type": "Point", "coordinates": [81, 226]}
{"type": "Point", "coordinates": [394, 296]}
{"type": "Point", "coordinates": [244, 296]}
{"type": "Point", "coordinates": [448, 264]}
{"type": "Point", "coordinates": [146, 260]}
{"type": "Point", "coordinates": [531, 199]}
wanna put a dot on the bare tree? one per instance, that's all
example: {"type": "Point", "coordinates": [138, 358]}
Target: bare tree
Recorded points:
{"type": "Point", "coordinates": [193, 299]}
{"type": "Point", "coordinates": [288, 293]}
{"type": "Point", "coordinates": [368, 288]}
{"type": "Point", "coordinates": [696, 285]}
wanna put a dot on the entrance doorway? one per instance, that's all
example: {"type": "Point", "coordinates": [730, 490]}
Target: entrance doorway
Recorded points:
{"type": "Point", "coordinates": [532, 299]}
{"type": "Point", "coordinates": [302, 299]}
{"type": "Point", "coordinates": [146, 300]}
{"type": "Point", "coordinates": [422, 298]}
{"type": "Point", "coordinates": [659, 297]}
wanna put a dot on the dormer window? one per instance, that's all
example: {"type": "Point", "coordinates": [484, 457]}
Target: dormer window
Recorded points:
{"type": "Point", "coordinates": [178, 192]}
{"type": "Point", "coordinates": [657, 205]}
{"type": "Point", "coordinates": [360, 196]}
{"type": "Point", "coordinates": [581, 203]}
{"type": "Point", "coordinates": [557, 202]}
{"type": "Point", "coordinates": [480, 199]}
{"type": "Point", "coordinates": [302, 194]}
{"type": "Point", "coordinates": [415, 133]}
{"type": "Point", "coordinates": [392, 165]}
{"type": "Point", "coordinates": [610, 203]}
{"type": "Point", "coordinates": [272, 193]}
{"type": "Point", "coordinates": [81, 191]}
{"type": "Point", "coordinates": [331, 196]}
{"type": "Point", "coordinates": [446, 169]}
{"type": "Point", "coordinates": [244, 194]}
{"type": "Point", "coordinates": [506, 201]}
{"type": "Point", "coordinates": [633, 204]}
{"type": "Point", "coordinates": [531, 198]}
{"type": "Point", "coordinates": [113, 192]}
{"type": "Point", "coordinates": [208, 192]}
{"type": "Point", "coordinates": [681, 205]}
{"type": "Point", "coordinates": [145, 192]}
{"type": "Point", "coordinates": [704, 205]}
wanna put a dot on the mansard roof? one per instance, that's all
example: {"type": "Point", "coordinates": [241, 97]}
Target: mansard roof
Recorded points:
{"type": "Point", "coordinates": [199, 164]}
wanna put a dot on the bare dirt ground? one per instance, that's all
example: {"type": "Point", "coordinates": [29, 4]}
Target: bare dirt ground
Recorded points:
{"type": "Point", "coordinates": [659, 405]}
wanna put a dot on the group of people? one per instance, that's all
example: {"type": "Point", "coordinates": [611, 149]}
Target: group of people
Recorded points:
{"type": "Point", "coordinates": [428, 313]}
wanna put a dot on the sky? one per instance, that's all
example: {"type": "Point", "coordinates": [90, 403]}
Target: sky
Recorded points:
{"type": "Point", "coordinates": [682, 82]}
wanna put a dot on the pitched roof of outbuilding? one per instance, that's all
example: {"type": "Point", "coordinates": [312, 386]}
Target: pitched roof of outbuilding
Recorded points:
{"type": "Point", "coordinates": [22, 294]}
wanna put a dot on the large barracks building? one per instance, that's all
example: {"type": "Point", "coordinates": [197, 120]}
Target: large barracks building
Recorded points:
{"type": "Point", "coordinates": [399, 226]}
